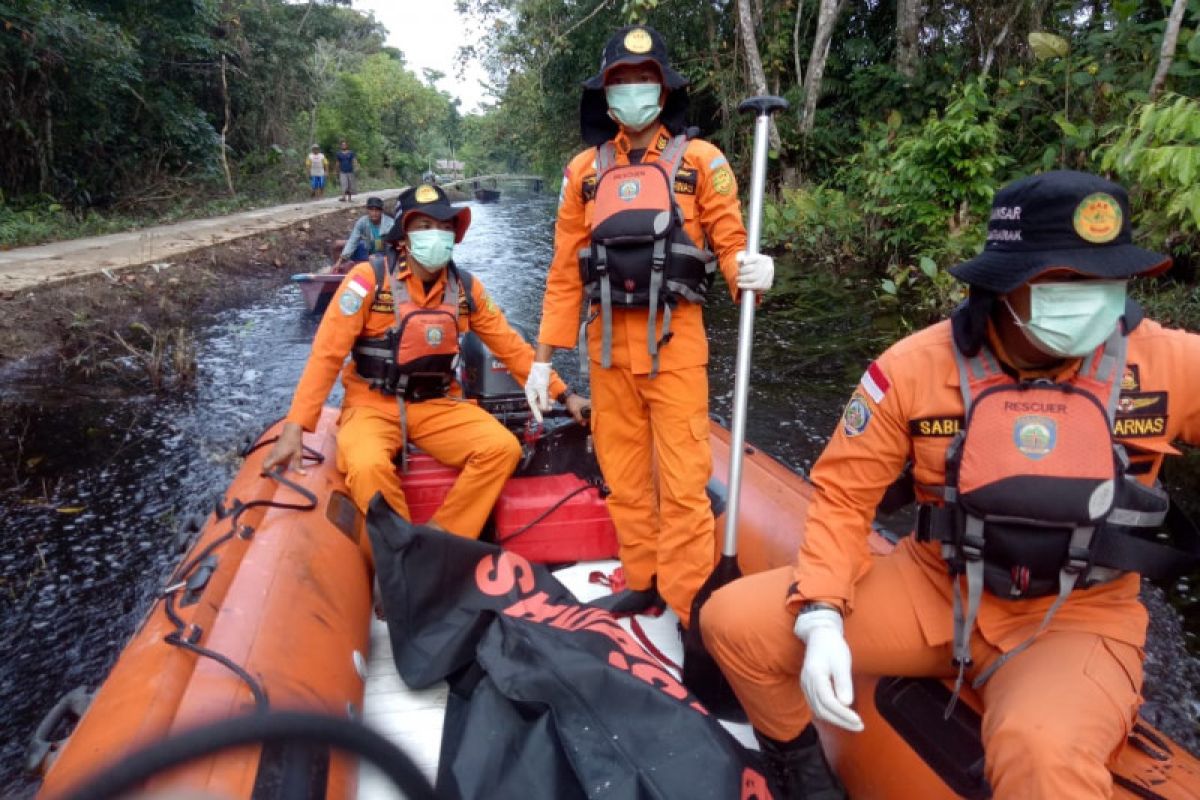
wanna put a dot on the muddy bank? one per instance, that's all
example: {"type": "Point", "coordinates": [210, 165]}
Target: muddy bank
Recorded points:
{"type": "Point", "coordinates": [84, 324]}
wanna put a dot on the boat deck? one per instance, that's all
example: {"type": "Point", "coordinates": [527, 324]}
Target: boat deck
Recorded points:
{"type": "Point", "coordinates": [413, 719]}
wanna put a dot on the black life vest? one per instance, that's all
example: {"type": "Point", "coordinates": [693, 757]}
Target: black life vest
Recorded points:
{"type": "Point", "coordinates": [640, 256]}
{"type": "Point", "coordinates": [418, 356]}
{"type": "Point", "coordinates": [1037, 501]}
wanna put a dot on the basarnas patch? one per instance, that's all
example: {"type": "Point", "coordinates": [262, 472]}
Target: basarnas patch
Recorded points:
{"type": "Point", "coordinates": [857, 415]}
{"type": "Point", "coordinates": [349, 303]}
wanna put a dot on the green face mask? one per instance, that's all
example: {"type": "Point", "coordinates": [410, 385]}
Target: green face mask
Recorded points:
{"type": "Point", "coordinates": [1072, 319]}
{"type": "Point", "coordinates": [431, 248]}
{"type": "Point", "coordinates": [634, 105]}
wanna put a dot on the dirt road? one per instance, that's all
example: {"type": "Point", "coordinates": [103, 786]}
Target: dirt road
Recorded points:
{"type": "Point", "coordinates": [29, 267]}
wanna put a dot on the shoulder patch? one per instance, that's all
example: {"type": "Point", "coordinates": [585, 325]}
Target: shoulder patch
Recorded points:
{"type": "Point", "coordinates": [349, 303]}
{"type": "Point", "coordinates": [719, 161]}
{"type": "Point", "coordinates": [875, 383]}
{"type": "Point", "coordinates": [589, 188]}
{"type": "Point", "coordinates": [722, 180]}
{"type": "Point", "coordinates": [857, 416]}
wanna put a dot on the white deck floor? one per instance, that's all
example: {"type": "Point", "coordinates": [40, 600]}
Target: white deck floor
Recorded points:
{"type": "Point", "coordinates": [413, 720]}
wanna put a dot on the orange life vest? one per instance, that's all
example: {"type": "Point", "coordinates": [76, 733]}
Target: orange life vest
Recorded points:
{"type": "Point", "coordinates": [640, 256]}
{"type": "Point", "coordinates": [418, 356]}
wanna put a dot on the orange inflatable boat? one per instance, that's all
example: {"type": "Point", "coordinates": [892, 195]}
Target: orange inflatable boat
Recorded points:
{"type": "Point", "coordinates": [272, 604]}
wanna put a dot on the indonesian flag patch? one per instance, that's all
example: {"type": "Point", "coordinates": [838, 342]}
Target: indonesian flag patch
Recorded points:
{"type": "Point", "coordinates": [875, 383]}
{"type": "Point", "coordinates": [359, 285]}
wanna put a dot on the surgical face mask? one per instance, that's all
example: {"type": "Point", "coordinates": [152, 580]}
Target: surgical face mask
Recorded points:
{"type": "Point", "coordinates": [634, 105]}
{"type": "Point", "coordinates": [1071, 319]}
{"type": "Point", "coordinates": [431, 248]}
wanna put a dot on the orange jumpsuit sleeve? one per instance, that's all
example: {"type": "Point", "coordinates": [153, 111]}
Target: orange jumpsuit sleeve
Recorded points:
{"type": "Point", "coordinates": [564, 286]}
{"type": "Point", "coordinates": [718, 208]}
{"type": "Point", "coordinates": [866, 454]}
{"type": "Point", "coordinates": [1185, 388]}
{"type": "Point", "coordinates": [489, 322]}
{"type": "Point", "coordinates": [331, 345]}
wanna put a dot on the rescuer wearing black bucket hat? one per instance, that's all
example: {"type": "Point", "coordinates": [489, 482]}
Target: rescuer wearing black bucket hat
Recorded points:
{"type": "Point", "coordinates": [399, 319]}
{"type": "Point", "coordinates": [646, 218]}
{"type": "Point", "coordinates": [1035, 422]}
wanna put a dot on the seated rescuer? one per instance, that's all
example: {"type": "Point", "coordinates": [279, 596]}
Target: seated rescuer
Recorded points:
{"type": "Point", "coordinates": [643, 178]}
{"type": "Point", "coordinates": [1026, 504]}
{"type": "Point", "coordinates": [405, 389]}
{"type": "Point", "coordinates": [366, 238]}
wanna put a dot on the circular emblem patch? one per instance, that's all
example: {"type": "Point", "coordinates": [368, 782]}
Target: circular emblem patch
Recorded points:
{"type": "Point", "coordinates": [1035, 436]}
{"type": "Point", "coordinates": [349, 303]}
{"type": "Point", "coordinates": [722, 181]}
{"type": "Point", "coordinates": [426, 194]}
{"type": "Point", "coordinates": [628, 190]}
{"type": "Point", "coordinates": [1098, 218]}
{"type": "Point", "coordinates": [638, 41]}
{"type": "Point", "coordinates": [856, 416]}
{"type": "Point", "coordinates": [433, 336]}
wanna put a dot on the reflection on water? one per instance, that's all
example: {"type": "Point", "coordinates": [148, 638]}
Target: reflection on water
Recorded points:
{"type": "Point", "coordinates": [102, 482]}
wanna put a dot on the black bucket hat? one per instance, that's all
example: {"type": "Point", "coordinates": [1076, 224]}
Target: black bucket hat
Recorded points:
{"type": "Point", "coordinates": [375, 202]}
{"type": "Point", "coordinates": [430, 201]}
{"type": "Point", "coordinates": [633, 44]}
{"type": "Point", "coordinates": [1056, 220]}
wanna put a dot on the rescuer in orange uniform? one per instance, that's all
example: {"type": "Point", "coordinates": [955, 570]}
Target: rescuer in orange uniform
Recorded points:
{"type": "Point", "coordinates": [1051, 629]}
{"type": "Point", "coordinates": [432, 301]}
{"type": "Point", "coordinates": [676, 199]}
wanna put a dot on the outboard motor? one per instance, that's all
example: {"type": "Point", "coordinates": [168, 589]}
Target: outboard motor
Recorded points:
{"type": "Point", "coordinates": [485, 379]}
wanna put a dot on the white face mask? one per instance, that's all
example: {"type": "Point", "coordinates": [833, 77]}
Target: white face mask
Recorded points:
{"type": "Point", "coordinates": [633, 105]}
{"type": "Point", "coordinates": [1072, 318]}
{"type": "Point", "coordinates": [431, 248]}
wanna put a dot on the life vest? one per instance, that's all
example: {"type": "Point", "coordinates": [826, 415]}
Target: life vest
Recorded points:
{"type": "Point", "coordinates": [1037, 501]}
{"type": "Point", "coordinates": [640, 256]}
{"type": "Point", "coordinates": [418, 356]}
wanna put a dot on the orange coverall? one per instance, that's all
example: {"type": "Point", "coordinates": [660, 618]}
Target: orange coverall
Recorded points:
{"type": "Point", "coordinates": [456, 433]}
{"type": "Point", "coordinates": [1056, 712]}
{"type": "Point", "coordinates": [651, 435]}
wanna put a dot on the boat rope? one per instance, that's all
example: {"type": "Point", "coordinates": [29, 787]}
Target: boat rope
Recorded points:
{"type": "Point", "coordinates": [557, 505]}
{"type": "Point", "coordinates": [276, 727]}
{"type": "Point", "coordinates": [187, 635]}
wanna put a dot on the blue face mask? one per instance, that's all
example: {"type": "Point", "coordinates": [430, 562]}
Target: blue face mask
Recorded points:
{"type": "Point", "coordinates": [634, 105]}
{"type": "Point", "coordinates": [1072, 318]}
{"type": "Point", "coordinates": [431, 248]}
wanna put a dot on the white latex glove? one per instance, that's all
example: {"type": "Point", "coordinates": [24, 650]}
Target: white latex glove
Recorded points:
{"type": "Point", "coordinates": [756, 271]}
{"type": "Point", "coordinates": [826, 678]}
{"type": "Point", "coordinates": [537, 388]}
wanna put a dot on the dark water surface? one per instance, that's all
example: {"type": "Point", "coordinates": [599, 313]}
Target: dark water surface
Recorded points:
{"type": "Point", "coordinates": [103, 482]}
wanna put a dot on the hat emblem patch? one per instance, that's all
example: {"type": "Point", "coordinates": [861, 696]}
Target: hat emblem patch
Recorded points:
{"type": "Point", "coordinates": [638, 41]}
{"type": "Point", "coordinates": [426, 194]}
{"type": "Point", "coordinates": [629, 190]}
{"type": "Point", "coordinates": [1098, 218]}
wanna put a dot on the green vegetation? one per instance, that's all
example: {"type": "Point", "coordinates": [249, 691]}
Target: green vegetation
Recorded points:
{"type": "Point", "coordinates": [902, 129]}
{"type": "Point", "coordinates": [120, 113]}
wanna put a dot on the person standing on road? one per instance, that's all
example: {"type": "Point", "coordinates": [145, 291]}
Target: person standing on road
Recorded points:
{"type": "Point", "coordinates": [316, 172]}
{"type": "Point", "coordinates": [347, 160]}
{"type": "Point", "coordinates": [676, 200]}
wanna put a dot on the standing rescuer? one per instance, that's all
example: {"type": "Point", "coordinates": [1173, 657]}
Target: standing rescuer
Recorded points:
{"type": "Point", "coordinates": [1036, 418]}
{"type": "Point", "coordinates": [400, 320]}
{"type": "Point", "coordinates": [645, 219]}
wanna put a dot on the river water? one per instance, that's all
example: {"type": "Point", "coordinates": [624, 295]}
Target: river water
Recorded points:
{"type": "Point", "coordinates": [100, 484]}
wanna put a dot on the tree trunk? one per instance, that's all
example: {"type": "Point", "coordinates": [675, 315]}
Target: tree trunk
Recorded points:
{"type": "Point", "coordinates": [796, 42]}
{"type": "Point", "coordinates": [995, 45]}
{"type": "Point", "coordinates": [908, 26]}
{"type": "Point", "coordinates": [225, 129]}
{"type": "Point", "coordinates": [758, 78]}
{"type": "Point", "coordinates": [1167, 55]}
{"type": "Point", "coordinates": [827, 18]}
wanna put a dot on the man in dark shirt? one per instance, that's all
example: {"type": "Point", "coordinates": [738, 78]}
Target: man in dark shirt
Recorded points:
{"type": "Point", "coordinates": [346, 159]}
